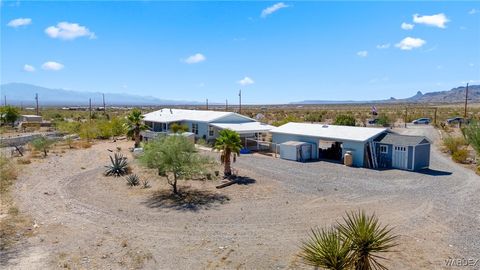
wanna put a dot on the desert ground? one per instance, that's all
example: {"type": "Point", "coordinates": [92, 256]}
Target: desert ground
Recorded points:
{"type": "Point", "coordinates": [84, 220]}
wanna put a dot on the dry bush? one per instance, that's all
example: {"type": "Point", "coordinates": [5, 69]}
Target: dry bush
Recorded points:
{"type": "Point", "coordinates": [8, 174]}
{"type": "Point", "coordinates": [24, 161]}
{"type": "Point", "coordinates": [82, 144]}
{"type": "Point", "coordinates": [460, 156]}
{"type": "Point", "coordinates": [452, 144]}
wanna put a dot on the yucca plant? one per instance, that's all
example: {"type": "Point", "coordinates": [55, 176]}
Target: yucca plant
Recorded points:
{"type": "Point", "coordinates": [328, 249]}
{"type": "Point", "coordinates": [368, 239]}
{"type": "Point", "coordinates": [133, 180]}
{"type": "Point", "coordinates": [118, 166]}
{"type": "Point", "coordinates": [145, 184]}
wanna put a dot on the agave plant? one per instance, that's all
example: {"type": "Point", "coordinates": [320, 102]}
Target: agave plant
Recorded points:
{"type": "Point", "coordinates": [328, 249]}
{"type": "Point", "coordinates": [145, 184]}
{"type": "Point", "coordinates": [368, 239]}
{"type": "Point", "coordinates": [133, 180]}
{"type": "Point", "coordinates": [118, 166]}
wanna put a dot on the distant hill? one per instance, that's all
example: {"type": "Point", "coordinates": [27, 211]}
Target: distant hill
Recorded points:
{"type": "Point", "coordinates": [22, 93]}
{"type": "Point", "coordinates": [454, 95]}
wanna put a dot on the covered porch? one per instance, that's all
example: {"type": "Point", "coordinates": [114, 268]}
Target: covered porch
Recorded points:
{"type": "Point", "coordinates": [252, 134]}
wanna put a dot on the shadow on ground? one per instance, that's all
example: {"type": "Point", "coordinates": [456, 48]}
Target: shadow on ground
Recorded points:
{"type": "Point", "coordinates": [244, 180]}
{"type": "Point", "coordinates": [434, 172]}
{"type": "Point", "coordinates": [188, 199]}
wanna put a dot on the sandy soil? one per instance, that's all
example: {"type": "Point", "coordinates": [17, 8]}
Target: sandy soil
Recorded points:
{"type": "Point", "coordinates": [89, 221]}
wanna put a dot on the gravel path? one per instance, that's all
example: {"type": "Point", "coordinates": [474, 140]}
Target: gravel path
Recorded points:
{"type": "Point", "coordinates": [88, 221]}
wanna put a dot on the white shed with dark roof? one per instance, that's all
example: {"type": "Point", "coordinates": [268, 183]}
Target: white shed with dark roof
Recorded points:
{"type": "Point", "coordinates": [403, 151]}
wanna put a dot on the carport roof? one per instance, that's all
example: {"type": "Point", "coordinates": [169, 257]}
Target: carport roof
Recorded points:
{"type": "Point", "coordinates": [399, 139]}
{"type": "Point", "coordinates": [329, 132]}
{"type": "Point", "coordinates": [242, 128]}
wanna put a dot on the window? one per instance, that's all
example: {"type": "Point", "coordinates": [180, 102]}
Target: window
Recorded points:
{"type": "Point", "coordinates": [210, 131]}
{"type": "Point", "coordinates": [383, 149]}
{"type": "Point", "coordinates": [195, 128]}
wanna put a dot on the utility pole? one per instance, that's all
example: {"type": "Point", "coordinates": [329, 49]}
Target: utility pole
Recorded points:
{"type": "Point", "coordinates": [104, 108]}
{"type": "Point", "coordinates": [435, 116]}
{"type": "Point", "coordinates": [406, 114]}
{"type": "Point", "coordinates": [240, 101]}
{"type": "Point", "coordinates": [36, 101]}
{"type": "Point", "coordinates": [207, 104]}
{"type": "Point", "coordinates": [90, 108]}
{"type": "Point", "coordinates": [226, 105]}
{"type": "Point", "coordinates": [5, 100]}
{"type": "Point", "coordinates": [466, 101]}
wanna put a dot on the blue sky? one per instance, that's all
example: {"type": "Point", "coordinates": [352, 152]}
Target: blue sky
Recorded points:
{"type": "Point", "coordinates": [276, 52]}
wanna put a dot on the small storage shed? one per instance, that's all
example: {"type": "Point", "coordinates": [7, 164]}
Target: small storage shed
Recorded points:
{"type": "Point", "coordinates": [403, 151]}
{"type": "Point", "coordinates": [297, 151]}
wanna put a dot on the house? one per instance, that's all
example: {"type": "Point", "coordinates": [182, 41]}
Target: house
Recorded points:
{"type": "Point", "coordinates": [30, 118]}
{"type": "Point", "coordinates": [329, 141]}
{"type": "Point", "coordinates": [205, 124]}
{"type": "Point", "coordinates": [403, 151]}
{"type": "Point", "coordinates": [369, 147]}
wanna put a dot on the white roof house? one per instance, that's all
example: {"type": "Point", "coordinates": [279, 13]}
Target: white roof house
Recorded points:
{"type": "Point", "coordinates": [167, 115]}
{"type": "Point", "coordinates": [243, 128]}
{"type": "Point", "coordinates": [331, 132]}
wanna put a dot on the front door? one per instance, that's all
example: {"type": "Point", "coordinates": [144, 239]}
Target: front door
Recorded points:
{"type": "Point", "coordinates": [400, 157]}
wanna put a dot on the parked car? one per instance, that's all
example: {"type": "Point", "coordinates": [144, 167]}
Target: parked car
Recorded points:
{"type": "Point", "coordinates": [456, 120]}
{"type": "Point", "coordinates": [424, 121]}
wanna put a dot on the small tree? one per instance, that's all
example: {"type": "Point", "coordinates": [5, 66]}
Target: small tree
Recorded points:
{"type": "Point", "coordinates": [178, 128]}
{"type": "Point", "coordinates": [345, 120]}
{"type": "Point", "coordinates": [384, 120]}
{"type": "Point", "coordinates": [472, 135]}
{"type": "Point", "coordinates": [9, 114]}
{"type": "Point", "coordinates": [135, 125]}
{"type": "Point", "coordinates": [42, 144]}
{"type": "Point", "coordinates": [176, 157]}
{"type": "Point", "coordinates": [229, 143]}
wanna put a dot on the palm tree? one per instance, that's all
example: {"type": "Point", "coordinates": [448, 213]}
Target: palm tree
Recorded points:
{"type": "Point", "coordinates": [327, 249]}
{"type": "Point", "coordinates": [228, 141]}
{"type": "Point", "coordinates": [135, 125]}
{"type": "Point", "coordinates": [368, 239]}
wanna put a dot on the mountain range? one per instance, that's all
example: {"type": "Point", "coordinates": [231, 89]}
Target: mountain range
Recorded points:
{"type": "Point", "coordinates": [454, 95]}
{"type": "Point", "coordinates": [22, 93]}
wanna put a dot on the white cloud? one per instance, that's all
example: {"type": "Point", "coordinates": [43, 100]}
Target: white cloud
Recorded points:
{"type": "Point", "coordinates": [383, 46]}
{"type": "Point", "coordinates": [362, 53]}
{"type": "Point", "coordinates": [437, 20]}
{"type": "Point", "coordinates": [246, 81]}
{"type": "Point", "coordinates": [196, 58]}
{"type": "Point", "coordinates": [271, 9]}
{"type": "Point", "coordinates": [19, 22]}
{"type": "Point", "coordinates": [50, 65]}
{"type": "Point", "coordinates": [407, 26]}
{"type": "Point", "coordinates": [28, 68]}
{"type": "Point", "coordinates": [69, 31]}
{"type": "Point", "coordinates": [473, 11]}
{"type": "Point", "coordinates": [409, 43]}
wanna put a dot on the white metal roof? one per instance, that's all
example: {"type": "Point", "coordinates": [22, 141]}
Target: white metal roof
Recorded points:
{"type": "Point", "coordinates": [295, 143]}
{"type": "Point", "coordinates": [167, 115]}
{"type": "Point", "coordinates": [331, 132]}
{"type": "Point", "coordinates": [248, 127]}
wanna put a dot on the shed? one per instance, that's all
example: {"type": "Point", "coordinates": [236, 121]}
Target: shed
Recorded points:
{"type": "Point", "coordinates": [330, 142]}
{"type": "Point", "coordinates": [294, 150]}
{"type": "Point", "coordinates": [404, 152]}
{"type": "Point", "coordinates": [31, 118]}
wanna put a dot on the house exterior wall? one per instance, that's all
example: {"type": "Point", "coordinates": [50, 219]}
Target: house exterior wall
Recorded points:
{"type": "Point", "coordinates": [422, 156]}
{"type": "Point", "coordinates": [357, 148]}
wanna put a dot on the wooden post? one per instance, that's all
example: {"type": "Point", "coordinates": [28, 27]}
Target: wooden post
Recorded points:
{"type": "Point", "coordinates": [466, 101]}
{"type": "Point", "coordinates": [104, 108]}
{"type": "Point", "coordinates": [406, 115]}
{"type": "Point", "coordinates": [36, 101]}
{"type": "Point", "coordinates": [435, 117]}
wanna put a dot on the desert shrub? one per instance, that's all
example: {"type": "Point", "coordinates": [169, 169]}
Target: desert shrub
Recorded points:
{"type": "Point", "coordinates": [452, 144]}
{"type": "Point", "coordinates": [8, 173]}
{"type": "Point", "coordinates": [9, 114]}
{"type": "Point", "coordinates": [104, 129]}
{"type": "Point", "coordinates": [145, 184]}
{"type": "Point", "coordinates": [472, 135]}
{"type": "Point", "coordinates": [344, 120]}
{"type": "Point", "coordinates": [42, 144]}
{"type": "Point", "coordinates": [315, 116]}
{"type": "Point", "coordinates": [203, 142]}
{"type": "Point", "coordinates": [460, 155]}
{"type": "Point", "coordinates": [89, 131]}
{"type": "Point", "coordinates": [24, 161]}
{"type": "Point", "coordinates": [118, 127]}
{"type": "Point", "coordinates": [178, 128]}
{"type": "Point", "coordinates": [68, 127]}
{"type": "Point", "coordinates": [384, 120]}
{"type": "Point", "coordinates": [83, 144]}
{"type": "Point", "coordinates": [133, 180]}
{"type": "Point", "coordinates": [118, 166]}
{"type": "Point", "coordinates": [287, 119]}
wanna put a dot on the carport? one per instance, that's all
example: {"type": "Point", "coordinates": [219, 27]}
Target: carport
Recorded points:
{"type": "Point", "coordinates": [331, 141]}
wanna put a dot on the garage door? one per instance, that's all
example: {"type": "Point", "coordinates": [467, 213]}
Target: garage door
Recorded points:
{"type": "Point", "coordinates": [400, 157]}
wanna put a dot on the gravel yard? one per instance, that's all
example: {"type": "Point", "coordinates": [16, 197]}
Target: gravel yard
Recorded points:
{"type": "Point", "coordinates": [93, 222]}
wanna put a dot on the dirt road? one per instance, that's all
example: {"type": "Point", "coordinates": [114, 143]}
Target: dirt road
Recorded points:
{"type": "Point", "coordinates": [88, 221]}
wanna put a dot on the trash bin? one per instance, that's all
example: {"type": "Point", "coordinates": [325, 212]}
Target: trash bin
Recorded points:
{"type": "Point", "coordinates": [348, 159]}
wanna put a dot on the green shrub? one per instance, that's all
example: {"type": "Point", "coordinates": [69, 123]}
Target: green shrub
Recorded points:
{"type": "Point", "coordinates": [384, 120]}
{"type": "Point", "coordinates": [460, 156]}
{"type": "Point", "coordinates": [472, 134]}
{"type": "Point", "coordinates": [68, 127]}
{"type": "Point", "coordinates": [42, 144]}
{"type": "Point", "coordinates": [344, 120]}
{"type": "Point", "coordinates": [89, 131]}
{"type": "Point", "coordinates": [178, 128]}
{"type": "Point", "coordinates": [452, 144]}
{"type": "Point", "coordinates": [315, 116]}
